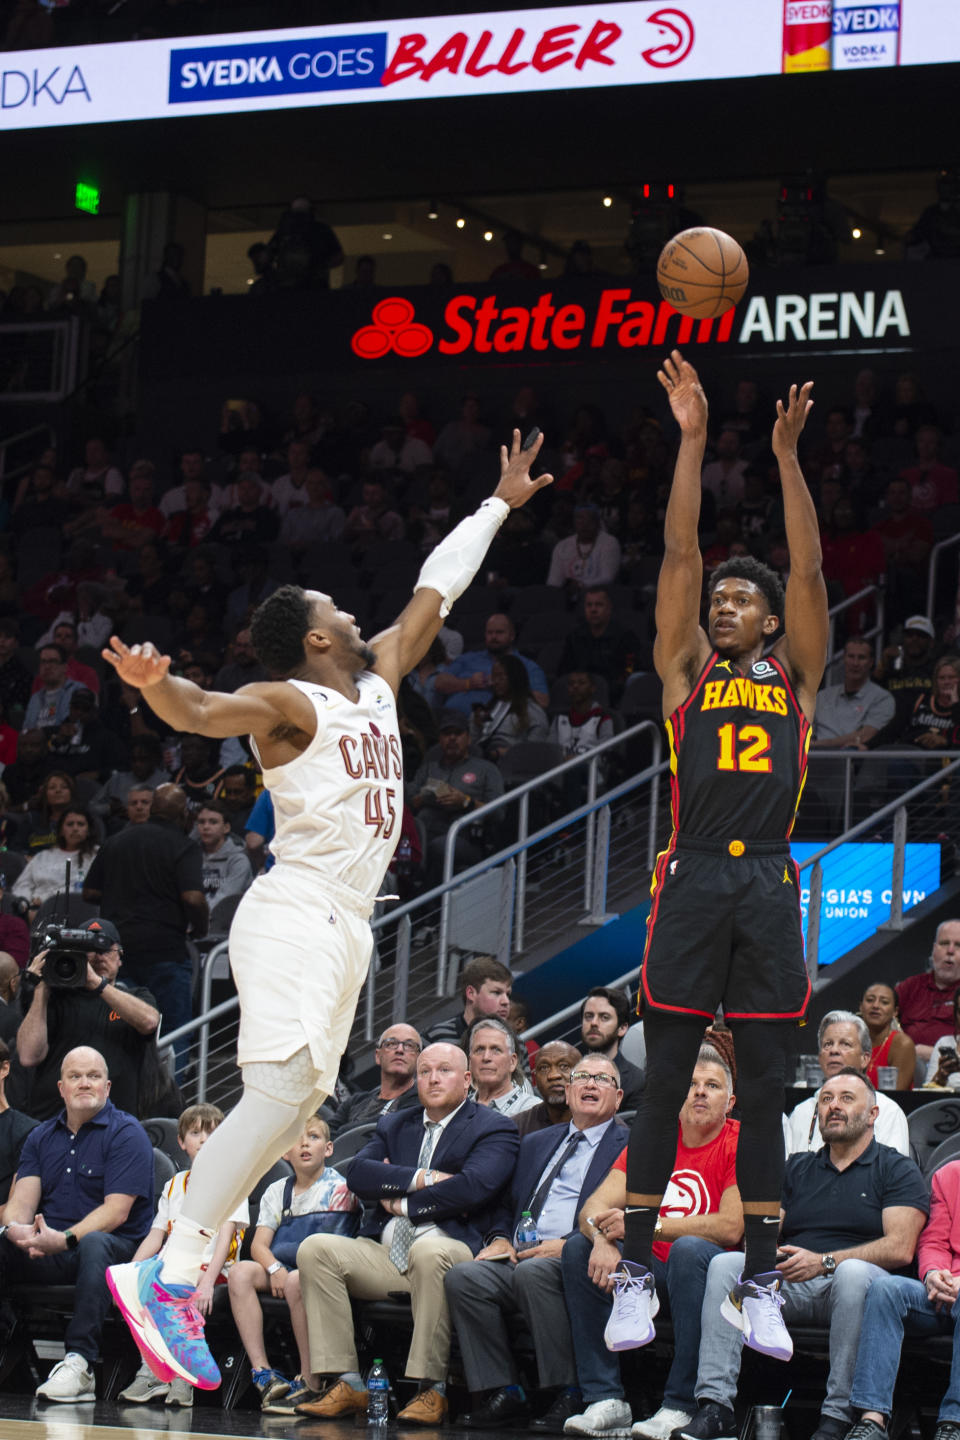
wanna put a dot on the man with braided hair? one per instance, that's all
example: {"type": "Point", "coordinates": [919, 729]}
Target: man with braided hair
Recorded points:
{"type": "Point", "coordinates": [724, 925]}
{"type": "Point", "coordinates": [327, 739]}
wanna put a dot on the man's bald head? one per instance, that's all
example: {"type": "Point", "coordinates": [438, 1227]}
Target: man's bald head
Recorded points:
{"type": "Point", "coordinates": [169, 803]}
{"type": "Point", "coordinates": [443, 1079]}
{"type": "Point", "coordinates": [9, 976]}
{"type": "Point", "coordinates": [82, 1055]}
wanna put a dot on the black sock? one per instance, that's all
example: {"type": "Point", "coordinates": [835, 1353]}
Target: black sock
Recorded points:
{"type": "Point", "coordinates": [761, 1237]}
{"type": "Point", "coordinates": [638, 1227]}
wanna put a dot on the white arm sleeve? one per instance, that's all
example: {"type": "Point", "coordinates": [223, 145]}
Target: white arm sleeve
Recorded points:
{"type": "Point", "coordinates": [450, 567]}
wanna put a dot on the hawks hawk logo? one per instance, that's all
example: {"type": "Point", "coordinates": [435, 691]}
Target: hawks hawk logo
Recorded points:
{"type": "Point", "coordinates": [686, 1194]}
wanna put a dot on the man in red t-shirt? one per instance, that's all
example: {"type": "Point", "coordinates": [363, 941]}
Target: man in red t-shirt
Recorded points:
{"type": "Point", "coordinates": [926, 1000]}
{"type": "Point", "coordinates": [700, 1215]}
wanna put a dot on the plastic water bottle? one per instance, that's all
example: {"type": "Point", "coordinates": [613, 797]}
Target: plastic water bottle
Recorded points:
{"type": "Point", "coordinates": [527, 1233]}
{"type": "Point", "coordinates": [378, 1399]}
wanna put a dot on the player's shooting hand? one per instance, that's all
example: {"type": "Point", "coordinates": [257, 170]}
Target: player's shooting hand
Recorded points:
{"type": "Point", "coordinates": [516, 483]}
{"type": "Point", "coordinates": [790, 421]}
{"type": "Point", "coordinates": [138, 665]}
{"type": "Point", "coordinates": [687, 399]}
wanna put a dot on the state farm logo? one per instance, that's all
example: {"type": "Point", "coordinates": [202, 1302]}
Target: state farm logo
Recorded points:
{"type": "Point", "coordinates": [677, 32]}
{"type": "Point", "coordinates": [393, 328]}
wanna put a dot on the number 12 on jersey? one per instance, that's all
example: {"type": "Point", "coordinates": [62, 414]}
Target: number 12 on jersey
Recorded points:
{"type": "Point", "coordinates": [743, 749]}
{"type": "Point", "coordinates": [373, 812]}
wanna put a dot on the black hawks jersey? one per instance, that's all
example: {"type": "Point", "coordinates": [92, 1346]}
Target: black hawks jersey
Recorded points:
{"type": "Point", "coordinates": [738, 753]}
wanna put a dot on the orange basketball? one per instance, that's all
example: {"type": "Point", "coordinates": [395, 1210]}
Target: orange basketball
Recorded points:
{"type": "Point", "coordinates": [702, 272]}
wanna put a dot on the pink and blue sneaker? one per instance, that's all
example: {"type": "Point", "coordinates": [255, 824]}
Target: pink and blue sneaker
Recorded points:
{"type": "Point", "coordinates": [164, 1322]}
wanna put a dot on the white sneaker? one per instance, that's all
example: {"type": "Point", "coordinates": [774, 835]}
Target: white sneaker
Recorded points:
{"type": "Point", "coordinates": [603, 1417]}
{"type": "Point", "coordinates": [754, 1306]}
{"type": "Point", "coordinates": [662, 1425]}
{"type": "Point", "coordinates": [143, 1388]}
{"type": "Point", "coordinates": [635, 1303]}
{"type": "Point", "coordinates": [69, 1380]}
{"type": "Point", "coordinates": [179, 1393]}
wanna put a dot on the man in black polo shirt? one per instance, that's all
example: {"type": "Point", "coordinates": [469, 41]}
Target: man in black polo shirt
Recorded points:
{"type": "Point", "coordinates": [149, 880]}
{"type": "Point", "coordinates": [119, 1022]}
{"type": "Point", "coordinates": [850, 1211]}
{"type": "Point", "coordinates": [83, 1200]}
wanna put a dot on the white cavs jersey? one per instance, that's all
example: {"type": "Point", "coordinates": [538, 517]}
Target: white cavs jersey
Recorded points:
{"type": "Point", "coordinates": [338, 805]}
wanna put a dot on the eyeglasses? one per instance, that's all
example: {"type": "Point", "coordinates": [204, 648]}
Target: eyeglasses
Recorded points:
{"type": "Point", "coordinates": [579, 1077]}
{"type": "Point", "coordinates": [392, 1044]}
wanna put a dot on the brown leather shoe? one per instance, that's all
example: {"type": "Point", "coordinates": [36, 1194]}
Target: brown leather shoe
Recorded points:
{"type": "Point", "coordinates": [340, 1399]}
{"type": "Point", "coordinates": [427, 1408]}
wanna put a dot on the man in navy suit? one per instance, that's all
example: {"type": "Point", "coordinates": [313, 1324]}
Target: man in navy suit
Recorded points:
{"type": "Point", "coordinates": [431, 1178]}
{"type": "Point", "coordinates": [557, 1171]}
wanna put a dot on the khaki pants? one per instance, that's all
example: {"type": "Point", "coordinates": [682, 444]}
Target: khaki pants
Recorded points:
{"type": "Point", "coordinates": [335, 1267]}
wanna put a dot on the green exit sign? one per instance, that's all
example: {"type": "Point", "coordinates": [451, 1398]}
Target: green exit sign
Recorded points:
{"type": "Point", "coordinates": [87, 198]}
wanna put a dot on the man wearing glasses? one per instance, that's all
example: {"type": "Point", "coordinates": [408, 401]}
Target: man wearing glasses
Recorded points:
{"type": "Point", "coordinates": [557, 1170]}
{"type": "Point", "coordinates": [396, 1054]}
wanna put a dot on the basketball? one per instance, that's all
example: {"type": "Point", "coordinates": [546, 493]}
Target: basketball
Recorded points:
{"type": "Point", "coordinates": [702, 272]}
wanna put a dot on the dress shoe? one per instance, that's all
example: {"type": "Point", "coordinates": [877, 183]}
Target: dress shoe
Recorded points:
{"type": "Point", "coordinates": [340, 1399]}
{"type": "Point", "coordinates": [551, 1422]}
{"type": "Point", "coordinates": [500, 1411]}
{"type": "Point", "coordinates": [427, 1408]}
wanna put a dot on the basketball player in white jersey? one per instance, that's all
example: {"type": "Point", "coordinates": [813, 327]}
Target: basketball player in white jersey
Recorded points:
{"type": "Point", "coordinates": [300, 944]}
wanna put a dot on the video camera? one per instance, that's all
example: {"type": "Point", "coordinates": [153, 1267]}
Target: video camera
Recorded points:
{"type": "Point", "coordinates": [65, 965]}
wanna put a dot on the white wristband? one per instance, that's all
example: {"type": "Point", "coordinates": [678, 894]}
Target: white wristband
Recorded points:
{"type": "Point", "coordinates": [451, 566]}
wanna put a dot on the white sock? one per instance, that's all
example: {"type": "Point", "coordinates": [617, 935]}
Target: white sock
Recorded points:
{"type": "Point", "coordinates": [353, 1379]}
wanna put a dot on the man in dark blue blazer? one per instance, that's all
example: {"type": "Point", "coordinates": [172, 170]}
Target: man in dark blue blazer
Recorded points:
{"type": "Point", "coordinates": [431, 1179]}
{"type": "Point", "coordinates": [555, 1175]}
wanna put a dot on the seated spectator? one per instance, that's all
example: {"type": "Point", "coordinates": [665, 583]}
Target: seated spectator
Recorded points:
{"type": "Point", "coordinates": [81, 744]}
{"type": "Point", "coordinates": [23, 780]}
{"type": "Point", "coordinates": [16, 682]}
{"type": "Point", "coordinates": [45, 875]}
{"type": "Point", "coordinates": [398, 450]}
{"type": "Point", "coordinates": [850, 714]}
{"type": "Point", "coordinates": [63, 632]}
{"type": "Point", "coordinates": [934, 722]}
{"type": "Point", "coordinates": [200, 771]}
{"type": "Point", "coordinates": [137, 521]}
{"type": "Point", "coordinates": [889, 1045]}
{"type": "Point", "coordinates": [700, 1216]}
{"type": "Point", "coordinates": [423, 678]}
{"type": "Point", "coordinates": [192, 525]}
{"type": "Point", "coordinates": [243, 668]}
{"type": "Point", "coordinates": [723, 477]}
{"type": "Point", "coordinates": [146, 772]}
{"type": "Point", "coordinates": [261, 828]}
{"type": "Point", "coordinates": [57, 792]}
{"type": "Point", "coordinates": [464, 682]}
{"type": "Point", "coordinates": [584, 724]}
{"type": "Point", "coordinates": [926, 1000]}
{"type": "Point", "coordinates": [852, 557]}
{"type": "Point", "coordinates": [453, 784]}
{"type": "Point", "coordinates": [39, 500]}
{"type": "Point", "coordinates": [66, 1222]}
{"type": "Point", "coordinates": [843, 1043]}
{"type": "Point", "coordinates": [373, 519]}
{"type": "Point", "coordinates": [557, 1171]}
{"type": "Point", "coordinates": [120, 1021]}
{"type": "Point", "coordinates": [289, 490]}
{"type": "Point", "coordinates": [226, 869]}
{"type": "Point", "coordinates": [907, 537]}
{"type": "Point", "coordinates": [237, 793]}
{"type": "Point", "coordinates": [460, 439]}
{"type": "Point", "coordinates": [898, 1304]}
{"type": "Point", "coordinates": [251, 518]}
{"type": "Point", "coordinates": [139, 801]}
{"type": "Point", "coordinates": [195, 1126]}
{"type": "Point", "coordinates": [587, 557]}
{"type": "Point", "coordinates": [97, 474]}
{"type": "Point", "coordinates": [316, 519]}
{"type": "Point", "coordinates": [314, 1201]}
{"type": "Point", "coordinates": [911, 408]}
{"type": "Point", "coordinates": [498, 1081]}
{"type": "Point", "coordinates": [843, 1225]}
{"type": "Point", "coordinates": [600, 645]}
{"type": "Point", "coordinates": [519, 555]}
{"type": "Point", "coordinates": [10, 1013]}
{"type": "Point", "coordinates": [552, 1067]}
{"type": "Point", "coordinates": [906, 670]}
{"type": "Point", "coordinates": [945, 1060]}
{"type": "Point", "coordinates": [422, 1218]}
{"type": "Point", "coordinates": [485, 987]}
{"type": "Point", "coordinates": [512, 716]}
{"type": "Point", "coordinates": [14, 1125]}
{"type": "Point", "coordinates": [604, 1020]}
{"type": "Point", "coordinates": [932, 484]}
{"type": "Point", "coordinates": [518, 1019]}
{"type": "Point", "coordinates": [396, 1054]}
{"type": "Point", "coordinates": [251, 564]}
{"type": "Point", "coordinates": [50, 704]}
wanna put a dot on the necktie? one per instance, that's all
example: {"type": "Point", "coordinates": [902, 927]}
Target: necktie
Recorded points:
{"type": "Point", "coordinates": [404, 1230]}
{"type": "Point", "coordinates": [539, 1197]}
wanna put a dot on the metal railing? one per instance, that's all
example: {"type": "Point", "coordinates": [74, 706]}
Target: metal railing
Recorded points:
{"type": "Point", "coordinates": [10, 472]}
{"type": "Point", "coordinates": [832, 800]}
{"type": "Point", "coordinates": [951, 542]}
{"type": "Point", "coordinates": [40, 360]}
{"type": "Point", "coordinates": [875, 632]}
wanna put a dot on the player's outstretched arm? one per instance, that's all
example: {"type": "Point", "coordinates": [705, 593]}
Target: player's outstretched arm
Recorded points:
{"type": "Point", "coordinates": [803, 647]}
{"type": "Point", "coordinates": [681, 646]}
{"type": "Point", "coordinates": [256, 709]}
{"type": "Point", "coordinates": [450, 567]}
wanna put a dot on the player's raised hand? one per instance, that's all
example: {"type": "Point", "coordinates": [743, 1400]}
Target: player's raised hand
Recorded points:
{"type": "Point", "coordinates": [687, 400]}
{"type": "Point", "coordinates": [138, 665]}
{"type": "Point", "coordinates": [516, 484]}
{"type": "Point", "coordinates": [790, 421]}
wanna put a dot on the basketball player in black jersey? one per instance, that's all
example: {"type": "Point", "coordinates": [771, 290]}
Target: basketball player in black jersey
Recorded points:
{"type": "Point", "coordinates": [724, 925]}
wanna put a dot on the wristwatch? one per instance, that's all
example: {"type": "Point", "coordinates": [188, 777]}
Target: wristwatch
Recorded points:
{"type": "Point", "coordinates": [72, 1240]}
{"type": "Point", "coordinates": [277, 1265]}
{"type": "Point", "coordinates": [102, 986]}
{"type": "Point", "coordinates": [828, 1263]}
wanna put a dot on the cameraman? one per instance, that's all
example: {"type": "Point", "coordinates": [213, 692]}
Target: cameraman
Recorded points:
{"type": "Point", "coordinates": [108, 1017]}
